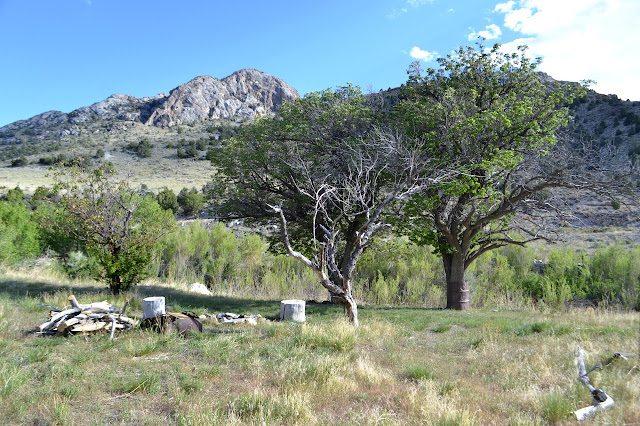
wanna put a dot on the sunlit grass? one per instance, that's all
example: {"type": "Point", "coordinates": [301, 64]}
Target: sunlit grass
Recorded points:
{"type": "Point", "coordinates": [401, 366]}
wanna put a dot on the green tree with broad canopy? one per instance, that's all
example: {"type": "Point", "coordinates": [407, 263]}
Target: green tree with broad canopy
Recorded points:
{"type": "Point", "coordinates": [495, 120]}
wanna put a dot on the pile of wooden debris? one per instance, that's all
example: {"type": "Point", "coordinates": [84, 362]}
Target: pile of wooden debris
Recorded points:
{"type": "Point", "coordinates": [229, 318]}
{"type": "Point", "coordinates": [98, 317]}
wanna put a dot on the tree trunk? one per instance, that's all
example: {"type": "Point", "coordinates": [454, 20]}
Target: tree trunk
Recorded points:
{"type": "Point", "coordinates": [457, 287]}
{"type": "Point", "coordinates": [346, 299]}
{"type": "Point", "coordinates": [351, 309]}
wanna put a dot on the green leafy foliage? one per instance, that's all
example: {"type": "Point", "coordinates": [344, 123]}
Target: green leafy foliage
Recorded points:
{"type": "Point", "coordinates": [214, 255]}
{"type": "Point", "coordinates": [15, 195]}
{"type": "Point", "coordinates": [19, 162]}
{"type": "Point", "coordinates": [117, 225]}
{"type": "Point", "coordinates": [482, 113]}
{"type": "Point", "coordinates": [142, 149]}
{"type": "Point", "coordinates": [190, 201]}
{"type": "Point", "coordinates": [168, 200]}
{"type": "Point", "coordinates": [20, 236]}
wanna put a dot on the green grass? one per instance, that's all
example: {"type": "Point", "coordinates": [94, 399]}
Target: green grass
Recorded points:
{"type": "Point", "coordinates": [419, 372]}
{"type": "Point", "coordinates": [401, 366]}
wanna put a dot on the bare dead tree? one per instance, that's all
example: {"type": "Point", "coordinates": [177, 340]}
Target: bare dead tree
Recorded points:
{"type": "Point", "coordinates": [350, 204]}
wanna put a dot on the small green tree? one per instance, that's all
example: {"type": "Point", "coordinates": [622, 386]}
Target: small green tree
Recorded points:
{"type": "Point", "coordinates": [190, 201]}
{"type": "Point", "coordinates": [117, 225]}
{"type": "Point", "coordinates": [15, 195]}
{"type": "Point", "coordinates": [168, 200]}
{"type": "Point", "coordinates": [19, 162]}
{"type": "Point", "coordinates": [19, 233]}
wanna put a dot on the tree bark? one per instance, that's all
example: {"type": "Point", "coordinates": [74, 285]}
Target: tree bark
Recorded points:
{"type": "Point", "coordinates": [457, 287]}
{"type": "Point", "coordinates": [351, 309]}
{"type": "Point", "coordinates": [346, 299]}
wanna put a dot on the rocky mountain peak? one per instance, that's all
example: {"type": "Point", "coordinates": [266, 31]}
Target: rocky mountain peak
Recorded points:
{"type": "Point", "coordinates": [246, 93]}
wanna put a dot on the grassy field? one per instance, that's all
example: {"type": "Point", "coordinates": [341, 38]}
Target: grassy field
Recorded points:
{"type": "Point", "coordinates": [402, 366]}
{"type": "Point", "coordinates": [156, 172]}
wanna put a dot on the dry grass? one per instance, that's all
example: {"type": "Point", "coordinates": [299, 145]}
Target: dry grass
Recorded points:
{"type": "Point", "coordinates": [162, 169]}
{"type": "Point", "coordinates": [402, 366]}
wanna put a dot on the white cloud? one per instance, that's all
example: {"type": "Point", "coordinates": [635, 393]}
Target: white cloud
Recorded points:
{"type": "Point", "coordinates": [505, 7]}
{"type": "Point", "coordinates": [413, 4]}
{"type": "Point", "coordinates": [491, 31]}
{"type": "Point", "coordinates": [581, 39]}
{"type": "Point", "coordinates": [418, 3]}
{"type": "Point", "coordinates": [422, 55]}
{"type": "Point", "coordinates": [397, 13]}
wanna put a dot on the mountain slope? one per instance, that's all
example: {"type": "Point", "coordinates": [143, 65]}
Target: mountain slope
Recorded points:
{"type": "Point", "coordinates": [245, 94]}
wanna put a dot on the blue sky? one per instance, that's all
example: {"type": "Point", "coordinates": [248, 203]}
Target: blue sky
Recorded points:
{"type": "Point", "coordinates": [64, 54]}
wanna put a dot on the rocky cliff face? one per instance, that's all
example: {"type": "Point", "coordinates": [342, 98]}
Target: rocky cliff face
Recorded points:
{"type": "Point", "coordinates": [245, 93]}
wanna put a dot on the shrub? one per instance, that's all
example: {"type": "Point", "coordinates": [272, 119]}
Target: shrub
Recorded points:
{"type": "Point", "coordinates": [15, 195]}
{"type": "Point", "coordinates": [19, 162]}
{"type": "Point", "coordinates": [20, 236]}
{"type": "Point", "coordinates": [116, 224]}
{"type": "Point", "coordinates": [142, 149]}
{"type": "Point", "coordinates": [190, 201]}
{"type": "Point", "coordinates": [168, 200]}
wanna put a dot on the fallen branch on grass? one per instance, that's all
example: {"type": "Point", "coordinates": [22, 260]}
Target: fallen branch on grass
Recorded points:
{"type": "Point", "coordinates": [601, 400]}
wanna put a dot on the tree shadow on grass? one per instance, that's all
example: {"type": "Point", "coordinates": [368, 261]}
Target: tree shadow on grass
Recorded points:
{"type": "Point", "coordinates": [16, 289]}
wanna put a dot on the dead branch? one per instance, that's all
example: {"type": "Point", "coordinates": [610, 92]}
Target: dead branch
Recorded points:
{"type": "Point", "coordinates": [601, 400]}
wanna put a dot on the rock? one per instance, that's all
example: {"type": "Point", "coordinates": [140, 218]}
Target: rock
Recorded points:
{"type": "Point", "coordinates": [199, 288]}
{"type": "Point", "coordinates": [246, 93]}
{"type": "Point", "coordinates": [230, 318]}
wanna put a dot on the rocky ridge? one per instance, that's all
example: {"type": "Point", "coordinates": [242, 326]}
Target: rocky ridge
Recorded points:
{"type": "Point", "coordinates": [245, 94]}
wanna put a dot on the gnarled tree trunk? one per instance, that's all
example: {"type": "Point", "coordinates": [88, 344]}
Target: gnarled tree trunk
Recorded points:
{"type": "Point", "coordinates": [457, 287]}
{"type": "Point", "coordinates": [351, 309]}
{"type": "Point", "coordinates": [346, 299]}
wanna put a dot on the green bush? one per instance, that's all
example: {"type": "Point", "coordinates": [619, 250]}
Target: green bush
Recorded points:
{"type": "Point", "coordinates": [168, 200]}
{"type": "Point", "coordinates": [228, 262]}
{"type": "Point", "coordinates": [395, 271]}
{"type": "Point", "coordinates": [20, 236]}
{"type": "Point", "coordinates": [190, 201]}
{"type": "Point", "coordinates": [19, 162]}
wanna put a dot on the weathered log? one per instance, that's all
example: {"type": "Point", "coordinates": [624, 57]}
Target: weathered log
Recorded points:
{"type": "Point", "coordinates": [92, 326]}
{"type": "Point", "coordinates": [601, 400]}
{"type": "Point", "coordinates": [152, 307]}
{"type": "Point", "coordinates": [127, 320]}
{"type": "Point", "coordinates": [103, 306]}
{"type": "Point", "coordinates": [113, 327]}
{"type": "Point", "coordinates": [292, 310]}
{"type": "Point", "coordinates": [55, 318]}
{"type": "Point", "coordinates": [74, 302]}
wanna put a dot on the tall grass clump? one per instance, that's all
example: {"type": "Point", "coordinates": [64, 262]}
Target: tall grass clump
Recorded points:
{"type": "Point", "coordinates": [213, 255]}
{"type": "Point", "coordinates": [395, 271]}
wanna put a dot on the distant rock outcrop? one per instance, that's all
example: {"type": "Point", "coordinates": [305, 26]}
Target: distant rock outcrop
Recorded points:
{"type": "Point", "coordinates": [246, 93]}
